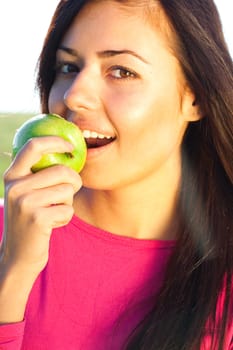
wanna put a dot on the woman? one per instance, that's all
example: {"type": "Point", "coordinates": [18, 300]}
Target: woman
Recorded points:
{"type": "Point", "coordinates": [136, 252]}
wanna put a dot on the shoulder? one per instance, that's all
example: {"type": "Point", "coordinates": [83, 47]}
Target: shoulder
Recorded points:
{"type": "Point", "coordinates": [227, 293]}
{"type": "Point", "coordinates": [230, 326]}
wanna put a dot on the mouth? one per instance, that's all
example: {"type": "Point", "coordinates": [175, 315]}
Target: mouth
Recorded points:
{"type": "Point", "coordinates": [96, 140]}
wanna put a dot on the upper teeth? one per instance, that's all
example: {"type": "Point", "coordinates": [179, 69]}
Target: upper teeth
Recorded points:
{"type": "Point", "coordinates": [93, 134]}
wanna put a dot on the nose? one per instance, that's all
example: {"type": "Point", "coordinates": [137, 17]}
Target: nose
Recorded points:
{"type": "Point", "coordinates": [83, 93]}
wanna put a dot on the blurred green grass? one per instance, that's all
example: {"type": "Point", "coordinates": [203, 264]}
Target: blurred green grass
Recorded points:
{"type": "Point", "coordinates": [9, 123]}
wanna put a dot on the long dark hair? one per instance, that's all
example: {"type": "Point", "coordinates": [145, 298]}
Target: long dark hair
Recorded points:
{"type": "Point", "coordinates": [200, 270]}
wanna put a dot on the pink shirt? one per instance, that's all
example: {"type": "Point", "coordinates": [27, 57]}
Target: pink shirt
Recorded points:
{"type": "Point", "coordinates": [95, 289]}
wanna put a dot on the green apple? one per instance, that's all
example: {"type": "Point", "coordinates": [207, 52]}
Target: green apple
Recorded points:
{"type": "Point", "coordinates": [53, 125]}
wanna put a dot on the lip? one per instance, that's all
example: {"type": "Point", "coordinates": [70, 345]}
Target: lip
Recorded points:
{"type": "Point", "coordinates": [99, 151]}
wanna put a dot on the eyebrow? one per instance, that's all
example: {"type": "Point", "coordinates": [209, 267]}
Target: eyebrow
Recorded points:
{"type": "Point", "coordinates": [105, 53]}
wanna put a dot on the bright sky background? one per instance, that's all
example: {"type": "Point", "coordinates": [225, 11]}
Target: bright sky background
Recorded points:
{"type": "Point", "coordinates": [23, 25]}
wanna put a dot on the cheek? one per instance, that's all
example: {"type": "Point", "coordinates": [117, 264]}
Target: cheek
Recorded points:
{"type": "Point", "coordinates": [150, 120]}
{"type": "Point", "coordinates": [145, 108]}
{"type": "Point", "coordinates": [56, 99]}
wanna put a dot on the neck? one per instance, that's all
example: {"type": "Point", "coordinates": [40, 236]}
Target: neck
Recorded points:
{"type": "Point", "coordinates": [138, 211]}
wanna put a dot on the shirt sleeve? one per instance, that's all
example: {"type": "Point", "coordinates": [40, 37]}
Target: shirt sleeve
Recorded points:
{"type": "Point", "coordinates": [11, 336]}
{"type": "Point", "coordinates": [1, 220]}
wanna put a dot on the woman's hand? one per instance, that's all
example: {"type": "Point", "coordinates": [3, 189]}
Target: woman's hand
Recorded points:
{"type": "Point", "coordinates": [34, 205]}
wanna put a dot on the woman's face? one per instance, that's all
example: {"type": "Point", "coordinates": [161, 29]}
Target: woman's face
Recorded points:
{"type": "Point", "coordinates": [119, 82]}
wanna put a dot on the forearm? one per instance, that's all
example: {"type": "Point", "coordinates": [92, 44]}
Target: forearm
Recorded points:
{"type": "Point", "coordinates": [15, 287]}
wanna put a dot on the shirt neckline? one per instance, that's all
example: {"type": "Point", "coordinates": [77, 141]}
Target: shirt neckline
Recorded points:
{"type": "Point", "coordinates": [101, 234]}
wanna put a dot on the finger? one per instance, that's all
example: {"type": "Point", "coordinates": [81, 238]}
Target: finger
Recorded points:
{"type": "Point", "coordinates": [62, 215]}
{"type": "Point", "coordinates": [56, 216]}
{"type": "Point", "coordinates": [34, 149]}
{"type": "Point", "coordinates": [46, 197]}
{"type": "Point", "coordinates": [52, 176]}
{"type": "Point", "coordinates": [55, 175]}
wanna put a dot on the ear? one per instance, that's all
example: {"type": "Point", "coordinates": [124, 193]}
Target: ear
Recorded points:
{"type": "Point", "coordinates": [191, 111]}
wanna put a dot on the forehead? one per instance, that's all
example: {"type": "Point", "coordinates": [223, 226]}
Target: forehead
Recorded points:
{"type": "Point", "coordinates": [122, 20]}
{"type": "Point", "coordinates": [150, 10]}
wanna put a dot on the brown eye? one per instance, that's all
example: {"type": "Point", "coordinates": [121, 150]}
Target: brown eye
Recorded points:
{"type": "Point", "coordinates": [122, 73]}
